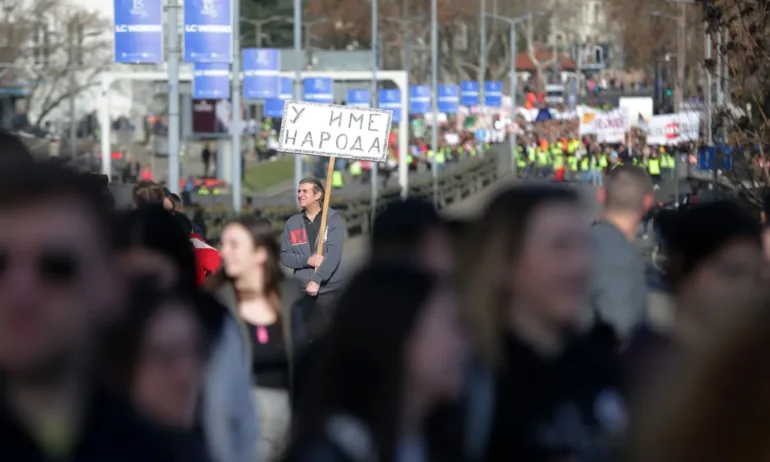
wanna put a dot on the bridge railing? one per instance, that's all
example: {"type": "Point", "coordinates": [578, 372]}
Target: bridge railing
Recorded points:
{"type": "Point", "coordinates": [454, 183]}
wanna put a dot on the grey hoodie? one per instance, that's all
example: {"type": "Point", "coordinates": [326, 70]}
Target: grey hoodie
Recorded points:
{"type": "Point", "coordinates": [295, 250]}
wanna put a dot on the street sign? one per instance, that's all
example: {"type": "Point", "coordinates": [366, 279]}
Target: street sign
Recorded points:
{"type": "Point", "coordinates": [391, 100]}
{"type": "Point", "coordinates": [493, 93]}
{"type": "Point", "coordinates": [261, 67]}
{"type": "Point", "coordinates": [138, 31]}
{"type": "Point", "coordinates": [274, 106]}
{"type": "Point", "coordinates": [319, 90]}
{"type": "Point", "coordinates": [211, 81]}
{"type": "Point", "coordinates": [359, 98]}
{"type": "Point", "coordinates": [419, 99]}
{"type": "Point", "coordinates": [469, 93]}
{"type": "Point", "coordinates": [448, 99]}
{"type": "Point", "coordinates": [208, 31]}
{"type": "Point", "coordinates": [333, 130]}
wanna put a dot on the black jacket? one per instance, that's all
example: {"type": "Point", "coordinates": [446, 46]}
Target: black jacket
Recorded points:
{"type": "Point", "coordinates": [110, 432]}
{"type": "Point", "coordinates": [570, 407]}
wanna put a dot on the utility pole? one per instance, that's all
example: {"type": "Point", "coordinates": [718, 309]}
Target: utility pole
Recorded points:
{"type": "Point", "coordinates": [172, 10]}
{"type": "Point", "coordinates": [680, 56]}
{"type": "Point", "coordinates": [72, 85]}
{"type": "Point", "coordinates": [298, 76]}
{"type": "Point", "coordinates": [482, 55]}
{"type": "Point", "coordinates": [434, 79]}
{"type": "Point", "coordinates": [236, 104]}
{"type": "Point", "coordinates": [375, 97]}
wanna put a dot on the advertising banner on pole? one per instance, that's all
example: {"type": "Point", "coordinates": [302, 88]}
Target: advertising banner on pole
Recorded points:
{"type": "Point", "coordinates": [274, 106]}
{"type": "Point", "coordinates": [332, 130]}
{"type": "Point", "coordinates": [391, 100]}
{"type": "Point", "coordinates": [319, 90]}
{"type": "Point", "coordinates": [493, 93]}
{"type": "Point", "coordinates": [138, 31]}
{"type": "Point", "coordinates": [208, 31]}
{"type": "Point", "coordinates": [359, 97]}
{"type": "Point", "coordinates": [211, 81]}
{"type": "Point", "coordinates": [672, 129]}
{"type": "Point", "coordinates": [469, 93]}
{"type": "Point", "coordinates": [260, 73]}
{"type": "Point", "coordinates": [419, 99]}
{"type": "Point", "coordinates": [448, 99]}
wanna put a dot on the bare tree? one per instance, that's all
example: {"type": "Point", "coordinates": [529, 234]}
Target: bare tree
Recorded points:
{"type": "Point", "coordinates": [43, 42]}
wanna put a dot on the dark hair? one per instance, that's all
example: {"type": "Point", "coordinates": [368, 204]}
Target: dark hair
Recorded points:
{"type": "Point", "coordinates": [318, 187]}
{"type": "Point", "coordinates": [695, 235]}
{"type": "Point", "coordinates": [33, 183]}
{"type": "Point", "coordinates": [122, 342]}
{"type": "Point", "coordinates": [175, 198]}
{"type": "Point", "coordinates": [262, 236]}
{"type": "Point", "coordinates": [155, 228]}
{"type": "Point", "coordinates": [361, 370]}
{"type": "Point", "coordinates": [148, 193]}
{"type": "Point", "coordinates": [401, 226]}
{"type": "Point", "coordinates": [14, 152]}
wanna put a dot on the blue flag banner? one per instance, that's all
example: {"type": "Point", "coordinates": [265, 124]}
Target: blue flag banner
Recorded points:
{"type": "Point", "coordinates": [706, 157]}
{"type": "Point", "coordinates": [274, 106]}
{"type": "Point", "coordinates": [723, 154]}
{"type": "Point", "coordinates": [319, 90]}
{"type": "Point", "coordinates": [211, 81]}
{"type": "Point", "coordinates": [469, 93]}
{"type": "Point", "coordinates": [138, 31]}
{"type": "Point", "coordinates": [543, 114]}
{"type": "Point", "coordinates": [391, 100]}
{"type": "Point", "coordinates": [260, 73]}
{"type": "Point", "coordinates": [359, 97]}
{"type": "Point", "coordinates": [493, 93]}
{"type": "Point", "coordinates": [208, 31]}
{"type": "Point", "coordinates": [448, 99]}
{"type": "Point", "coordinates": [419, 99]}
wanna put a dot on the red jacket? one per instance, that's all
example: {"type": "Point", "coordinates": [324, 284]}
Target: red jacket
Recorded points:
{"type": "Point", "coordinates": [207, 259]}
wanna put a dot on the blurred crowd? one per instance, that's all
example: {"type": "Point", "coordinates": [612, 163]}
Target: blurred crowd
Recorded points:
{"type": "Point", "coordinates": [521, 333]}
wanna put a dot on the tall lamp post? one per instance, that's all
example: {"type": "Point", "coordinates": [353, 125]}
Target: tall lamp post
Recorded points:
{"type": "Point", "coordinates": [513, 22]}
{"type": "Point", "coordinates": [434, 92]}
{"type": "Point", "coordinates": [259, 24]}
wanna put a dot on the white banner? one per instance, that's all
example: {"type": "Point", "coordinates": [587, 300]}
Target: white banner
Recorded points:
{"type": "Point", "coordinates": [676, 128]}
{"type": "Point", "coordinates": [609, 127]}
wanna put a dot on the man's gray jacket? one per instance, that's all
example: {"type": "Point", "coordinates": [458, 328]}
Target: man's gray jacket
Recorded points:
{"type": "Point", "coordinates": [295, 250]}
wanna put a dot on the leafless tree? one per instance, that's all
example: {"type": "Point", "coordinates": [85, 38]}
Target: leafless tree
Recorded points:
{"type": "Point", "coordinates": [42, 42]}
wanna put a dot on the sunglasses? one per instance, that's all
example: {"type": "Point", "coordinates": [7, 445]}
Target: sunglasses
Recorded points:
{"type": "Point", "coordinates": [55, 266]}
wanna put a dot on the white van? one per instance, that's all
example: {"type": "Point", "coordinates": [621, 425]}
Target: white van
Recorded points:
{"type": "Point", "coordinates": [554, 94]}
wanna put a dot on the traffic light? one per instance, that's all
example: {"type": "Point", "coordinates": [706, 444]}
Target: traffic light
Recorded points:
{"type": "Point", "coordinates": [669, 92]}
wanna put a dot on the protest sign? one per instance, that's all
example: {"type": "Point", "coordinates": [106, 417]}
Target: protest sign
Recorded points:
{"type": "Point", "coordinates": [330, 130]}
{"type": "Point", "coordinates": [670, 129]}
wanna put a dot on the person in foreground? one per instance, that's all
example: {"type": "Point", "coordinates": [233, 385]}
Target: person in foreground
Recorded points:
{"type": "Point", "coordinates": [56, 286]}
{"type": "Point", "coordinates": [383, 371]}
{"type": "Point", "coordinates": [320, 275]}
{"type": "Point", "coordinates": [556, 392]}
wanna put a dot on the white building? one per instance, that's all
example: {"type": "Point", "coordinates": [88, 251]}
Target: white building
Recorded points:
{"type": "Point", "coordinates": [584, 31]}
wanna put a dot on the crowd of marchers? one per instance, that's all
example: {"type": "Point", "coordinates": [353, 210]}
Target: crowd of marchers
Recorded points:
{"type": "Point", "coordinates": [522, 333]}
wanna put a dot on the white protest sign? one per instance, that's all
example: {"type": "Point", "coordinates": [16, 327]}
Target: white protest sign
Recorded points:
{"type": "Point", "coordinates": [672, 129]}
{"type": "Point", "coordinates": [330, 130]}
{"type": "Point", "coordinates": [611, 127]}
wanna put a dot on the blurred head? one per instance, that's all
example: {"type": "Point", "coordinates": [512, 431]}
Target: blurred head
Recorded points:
{"type": "Point", "coordinates": [627, 191]}
{"type": "Point", "coordinates": [148, 193]}
{"type": "Point", "coordinates": [151, 234]}
{"type": "Point", "coordinates": [56, 270]}
{"type": "Point", "coordinates": [15, 153]}
{"type": "Point", "coordinates": [403, 353]}
{"type": "Point", "coordinates": [413, 229]}
{"type": "Point", "coordinates": [156, 355]}
{"type": "Point", "coordinates": [528, 256]}
{"type": "Point", "coordinates": [310, 193]}
{"type": "Point", "coordinates": [249, 249]}
{"type": "Point", "coordinates": [714, 264]}
{"type": "Point", "coordinates": [712, 407]}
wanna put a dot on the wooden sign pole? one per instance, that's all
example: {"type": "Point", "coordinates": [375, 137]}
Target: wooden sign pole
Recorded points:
{"type": "Point", "coordinates": [325, 207]}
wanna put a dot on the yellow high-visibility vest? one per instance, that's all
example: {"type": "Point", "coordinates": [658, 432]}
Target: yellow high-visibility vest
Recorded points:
{"type": "Point", "coordinates": [337, 179]}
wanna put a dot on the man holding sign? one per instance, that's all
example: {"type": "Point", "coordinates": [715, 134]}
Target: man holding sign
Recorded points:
{"type": "Point", "coordinates": [332, 131]}
{"type": "Point", "coordinates": [319, 274]}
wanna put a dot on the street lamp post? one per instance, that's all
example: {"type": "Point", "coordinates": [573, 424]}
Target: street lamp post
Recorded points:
{"type": "Point", "coordinates": [375, 88]}
{"type": "Point", "coordinates": [258, 24]}
{"type": "Point", "coordinates": [434, 80]}
{"type": "Point", "coordinates": [297, 77]}
{"type": "Point", "coordinates": [513, 22]}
